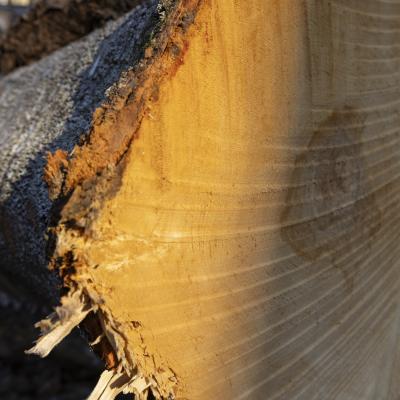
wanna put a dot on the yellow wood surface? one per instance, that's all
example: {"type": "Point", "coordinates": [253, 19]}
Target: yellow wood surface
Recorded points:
{"type": "Point", "coordinates": [253, 247]}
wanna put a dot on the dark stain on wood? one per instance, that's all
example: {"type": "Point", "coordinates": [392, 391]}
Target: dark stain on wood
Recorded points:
{"type": "Point", "coordinates": [331, 201]}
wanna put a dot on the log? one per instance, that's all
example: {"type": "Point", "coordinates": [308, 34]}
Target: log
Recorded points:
{"type": "Point", "coordinates": [224, 197]}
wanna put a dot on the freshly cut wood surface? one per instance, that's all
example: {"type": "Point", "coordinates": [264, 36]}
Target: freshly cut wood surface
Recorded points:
{"type": "Point", "coordinates": [231, 217]}
{"type": "Point", "coordinates": [252, 248]}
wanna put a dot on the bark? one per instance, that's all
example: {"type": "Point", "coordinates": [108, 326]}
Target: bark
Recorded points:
{"type": "Point", "coordinates": [43, 107]}
{"type": "Point", "coordinates": [223, 206]}
{"type": "Point", "coordinates": [48, 106]}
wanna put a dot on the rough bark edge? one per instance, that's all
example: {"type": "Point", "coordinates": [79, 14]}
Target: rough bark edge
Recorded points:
{"type": "Point", "coordinates": [81, 181]}
{"type": "Point", "coordinates": [52, 24]}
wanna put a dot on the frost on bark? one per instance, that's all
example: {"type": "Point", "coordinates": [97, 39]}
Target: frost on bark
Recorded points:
{"type": "Point", "coordinates": [218, 184]}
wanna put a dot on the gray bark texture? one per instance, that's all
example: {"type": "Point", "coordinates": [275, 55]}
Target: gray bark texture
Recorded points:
{"type": "Point", "coordinates": [43, 107]}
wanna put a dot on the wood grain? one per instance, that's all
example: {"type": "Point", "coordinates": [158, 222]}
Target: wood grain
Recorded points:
{"type": "Point", "coordinates": [252, 249]}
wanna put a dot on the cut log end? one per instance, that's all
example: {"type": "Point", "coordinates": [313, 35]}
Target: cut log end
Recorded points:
{"type": "Point", "coordinates": [231, 216]}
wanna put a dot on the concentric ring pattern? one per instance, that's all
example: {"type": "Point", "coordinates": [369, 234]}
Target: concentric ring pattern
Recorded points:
{"type": "Point", "coordinates": [254, 245]}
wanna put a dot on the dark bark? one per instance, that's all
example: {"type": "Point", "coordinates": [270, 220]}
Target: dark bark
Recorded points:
{"type": "Point", "coordinates": [47, 106]}
{"type": "Point", "coordinates": [44, 107]}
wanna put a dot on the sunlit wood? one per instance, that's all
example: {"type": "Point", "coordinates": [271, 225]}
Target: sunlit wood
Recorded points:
{"type": "Point", "coordinates": [252, 248]}
{"type": "Point", "coordinates": [231, 217]}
